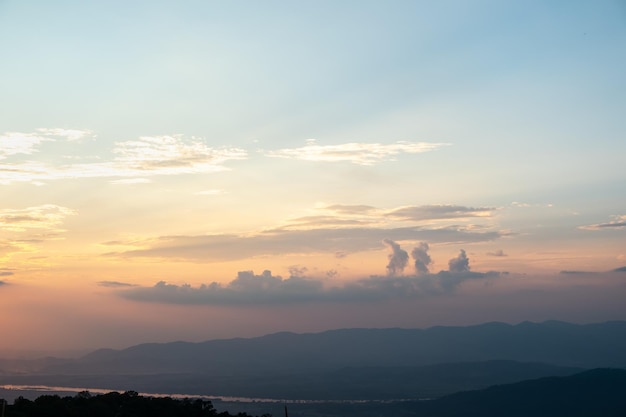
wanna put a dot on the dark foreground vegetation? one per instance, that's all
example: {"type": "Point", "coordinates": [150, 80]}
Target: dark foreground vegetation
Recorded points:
{"type": "Point", "coordinates": [113, 404]}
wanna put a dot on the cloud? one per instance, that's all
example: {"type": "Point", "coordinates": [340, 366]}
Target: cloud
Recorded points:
{"type": "Point", "coordinates": [498, 253]}
{"type": "Point", "coordinates": [422, 258]}
{"type": "Point", "coordinates": [247, 288]}
{"type": "Point", "coordinates": [356, 153]}
{"type": "Point", "coordinates": [570, 272]}
{"type": "Point", "coordinates": [172, 155]}
{"type": "Point", "coordinates": [297, 271]}
{"type": "Point", "coordinates": [460, 263]}
{"type": "Point", "coordinates": [207, 248]}
{"type": "Point", "coordinates": [397, 258]}
{"type": "Point", "coordinates": [47, 216]}
{"type": "Point", "coordinates": [5, 273]}
{"type": "Point", "coordinates": [71, 135]}
{"type": "Point", "coordinates": [114, 284]}
{"type": "Point", "coordinates": [619, 222]}
{"type": "Point", "coordinates": [14, 143]}
{"type": "Point", "coordinates": [134, 160]}
{"type": "Point", "coordinates": [251, 289]}
{"type": "Point", "coordinates": [436, 212]}
{"type": "Point", "coordinates": [357, 209]}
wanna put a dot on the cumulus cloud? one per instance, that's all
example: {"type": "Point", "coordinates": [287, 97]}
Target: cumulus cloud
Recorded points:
{"type": "Point", "coordinates": [460, 263]}
{"type": "Point", "coordinates": [618, 222]}
{"type": "Point", "coordinates": [422, 258]}
{"type": "Point", "coordinates": [356, 153]}
{"type": "Point", "coordinates": [251, 289]}
{"type": "Point", "coordinates": [247, 288]}
{"type": "Point", "coordinates": [398, 257]}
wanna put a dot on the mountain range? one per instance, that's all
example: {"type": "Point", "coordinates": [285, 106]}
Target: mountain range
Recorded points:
{"type": "Point", "coordinates": [341, 364]}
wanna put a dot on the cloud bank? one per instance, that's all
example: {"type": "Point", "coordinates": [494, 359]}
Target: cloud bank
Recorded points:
{"type": "Point", "coordinates": [251, 289]}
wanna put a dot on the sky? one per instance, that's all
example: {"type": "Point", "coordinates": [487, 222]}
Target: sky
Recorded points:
{"type": "Point", "coordinates": [195, 170]}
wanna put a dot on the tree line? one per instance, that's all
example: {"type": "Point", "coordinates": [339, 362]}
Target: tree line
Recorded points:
{"type": "Point", "coordinates": [112, 404]}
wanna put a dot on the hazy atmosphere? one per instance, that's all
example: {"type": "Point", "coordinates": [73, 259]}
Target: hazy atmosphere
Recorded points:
{"type": "Point", "coordinates": [196, 170]}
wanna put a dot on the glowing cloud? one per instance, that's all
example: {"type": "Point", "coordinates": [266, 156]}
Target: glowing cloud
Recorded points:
{"type": "Point", "coordinates": [356, 153]}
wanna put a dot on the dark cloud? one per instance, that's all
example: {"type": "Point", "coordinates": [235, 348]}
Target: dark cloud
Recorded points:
{"type": "Point", "coordinates": [621, 269]}
{"type": "Point", "coordinates": [398, 257]}
{"type": "Point", "coordinates": [460, 263]}
{"type": "Point", "coordinates": [4, 273]}
{"type": "Point", "coordinates": [498, 252]}
{"type": "Point", "coordinates": [297, 271]}
{"type": "Point", "coordinates": [114, 284]}
{"type": "Point", "coordinates": [207, 248]}
{"type": "Point", "coordinates": [439, 212]}
{"type": "Point", "coordinates": [421, 257]}
{"type": "Point", "coordinates": [247, 288]}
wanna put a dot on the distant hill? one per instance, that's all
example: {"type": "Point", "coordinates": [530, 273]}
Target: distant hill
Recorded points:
{"type": "Point", "coordinates": [598, 392]}
{"type": "Point", "coordinates": [553, 342]}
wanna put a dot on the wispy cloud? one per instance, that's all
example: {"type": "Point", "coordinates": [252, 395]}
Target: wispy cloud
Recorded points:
{"type": "Point", "coordinates": [210, 248]}
{"type": "Point", "coordinates": [354, 152]}
{"type": "Point", "coordinates": [114, 284]}
{"type": "Point", "coordinates": [133, 160]}
{"type": "Point", "coordinates": [47, 216]}
{"type": "Point", "coordinates": [339, 230]}
{"type": "Point", "coordinates": [71, 135]}
{"type": "Point", "coordinates": [618, 222]}
{"type": "Point", "coordinates": [437, 212]}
